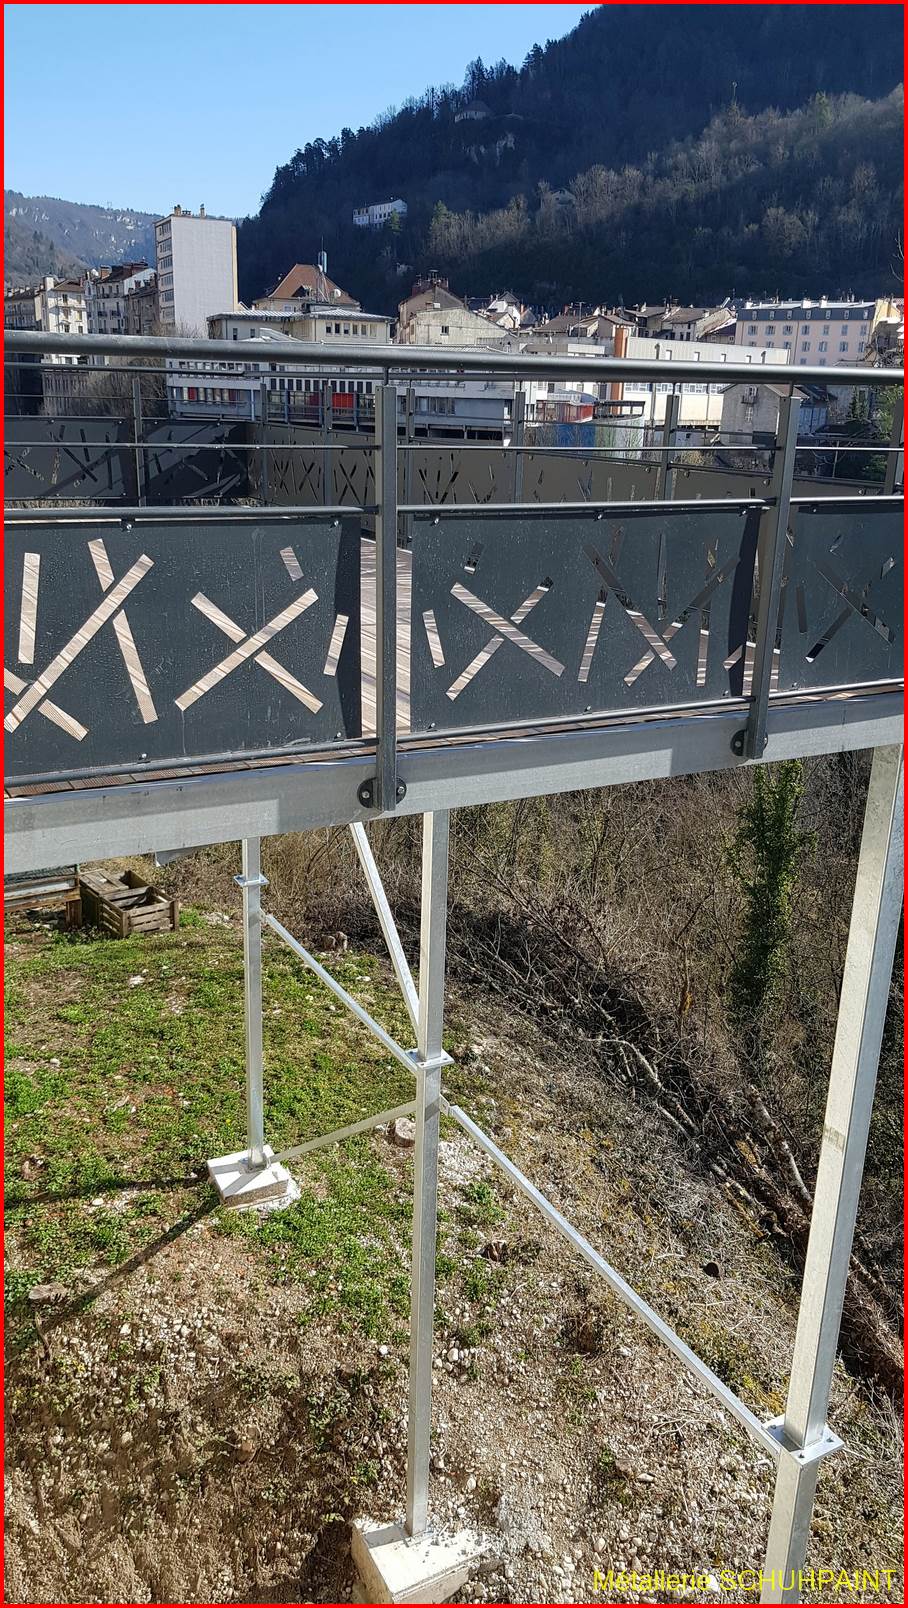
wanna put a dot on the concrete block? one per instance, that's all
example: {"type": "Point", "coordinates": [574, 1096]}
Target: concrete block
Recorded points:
{"type": "Point", "coordinates": [243, 1187]}
{"type": "Point", "coordinates": [392, 1567]}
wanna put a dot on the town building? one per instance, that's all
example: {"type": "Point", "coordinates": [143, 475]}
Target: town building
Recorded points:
{"type": "Point", "coordinates": [475, 111]}
{"type": "Point", "coordinates": [141, 308]}
{"type": "Point", "coordinates": [828, 334]}
{"type": "Point", "coordinates": [700, 407]}
{"type": "Point", "coordinates": [376, 215]}
{"type": "Point", "coordinates": [432, 316]}
{"type": "Point", "coordinates": [106, 292]}
{"type": "Point", "coordinates": [195, 258]}
{"type": "Point", "coordinates": [306, 283]}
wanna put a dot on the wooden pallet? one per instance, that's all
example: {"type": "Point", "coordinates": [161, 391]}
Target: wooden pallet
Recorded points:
{"type": "Point", "coordinates": [31, 890]}
{"type": "Point", "coordinates": [126, 905]}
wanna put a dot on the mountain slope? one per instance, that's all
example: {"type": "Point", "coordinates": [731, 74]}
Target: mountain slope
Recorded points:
{"type": "Point", "coordinates": [74, 233]}
{"type": "Point", "coordinates": [628, 82]}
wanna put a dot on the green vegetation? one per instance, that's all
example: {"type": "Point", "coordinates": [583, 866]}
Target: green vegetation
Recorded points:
{"type": "Point", "coordinates": [766, 853]}
{"type": "Point", "coordinates": [717, 168]}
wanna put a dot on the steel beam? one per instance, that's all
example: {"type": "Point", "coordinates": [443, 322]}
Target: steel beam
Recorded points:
{"type": "Point", "coordinates": [433, 931]}
{"type": "Point", "coordinates": [86, 824]}
{"type": "Point", "coordinates": [641, 1309]}
{"type": "Point", "coordinates": [252, 882]}
{"type": "Point", "coordinates": [862, 1013]}
{"type": "Point", "coordinates": [416, 359]}
{"type": "Point", "coordinates": [386, 921]}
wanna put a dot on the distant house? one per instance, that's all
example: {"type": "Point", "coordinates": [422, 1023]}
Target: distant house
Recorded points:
{"type": "Point", "coordinates": [432, 316]}
{"type": "Point", "coordinates": [306, 282]}
{"type": "Point", "coordinates": [750, 413]}
{"type": "Point", "coordinates": [376, 215]}
{"type": "Point", "coordinates": [474, 112]}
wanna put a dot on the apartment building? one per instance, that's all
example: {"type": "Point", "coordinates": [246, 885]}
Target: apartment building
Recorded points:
{"type": "Point", "coordinates": [377, 214]}
{"type": "Point", "coordinates": [701, 404]}
{"type": "Point", "coordinates": [830, 334]}
{"type": "Point", "coordinates": [106, 296]}
{"type": "Point", "coordinates": [195, 258]}
{"type": "Point", "coordinates": [432, 316]}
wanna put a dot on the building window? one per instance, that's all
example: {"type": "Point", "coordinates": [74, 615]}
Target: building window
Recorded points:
{"type": "Point", "coordinates": [445, 329]}
{"type": "Point", "coordinates": [844, 329]}
{"type": "Point", "coordinates": [787, 329]}
{"type": "Point", "coordinates": [805, 329]}
{"type": "Point", "coordinates": [770, 329]}
{"type": "Point", "coordinates": [843, 346]}
{"type": "Point", "coordinates": [805, 346]}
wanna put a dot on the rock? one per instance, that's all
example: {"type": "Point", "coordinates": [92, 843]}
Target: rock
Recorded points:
{"type": "Point", "coordinates": [471, 1483]}
{"type": "Point", "coordinates": [245, 1452]}
{"type": "Point", "coordinates": [403, 1132]}
{"type": "Point", "coordinates": [136, 982]}
{"type": "Point", "coordinates": [383, 1351]}
{"type": "Point", "coordinates": [42, 1294]}
{"type": "Point", "coordinates": [496, 1251]}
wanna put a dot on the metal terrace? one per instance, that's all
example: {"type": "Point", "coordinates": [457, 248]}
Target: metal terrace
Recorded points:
{"type": "Point", "coordinates": [399, 626]}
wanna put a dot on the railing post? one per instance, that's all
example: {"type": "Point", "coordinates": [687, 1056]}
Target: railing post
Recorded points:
{"type": "Point", "coordinates": [518, 438]}
{"type": "Point", "coordinates": [327, 455]}
{"type": "Point", "coordinates": [263, 488]}
{"type": "Point", "coordinates": [252, 882]}
{"type": "Point", "coordinates": [895, 441]}
{"type": "Point", "coordinates": [433, 924]}
{"type": "Point", "coordinates": [771, 540]}
{"type": "Point", "coordinates": [855, 1058]}
{"type": "Point", "coordinates": [664, 474]}
{"type": "Point", "coordinates": [382, 794]}
{"type": "Point", "coordinates": [137, 435]}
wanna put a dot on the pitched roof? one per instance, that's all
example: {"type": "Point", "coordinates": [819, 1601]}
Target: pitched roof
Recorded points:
{"type": "Point", "coordinates": [306, 280]}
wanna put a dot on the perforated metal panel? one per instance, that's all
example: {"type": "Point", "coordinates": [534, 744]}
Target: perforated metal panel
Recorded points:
{"type": "Point", "coordinates": [176, 642]}
{"type": "Point", "coordinates": [842, 598]}
{"type": "Point", "coordinates": [76, 460]}
{"type": "Point", "coordinates": [535, 616]}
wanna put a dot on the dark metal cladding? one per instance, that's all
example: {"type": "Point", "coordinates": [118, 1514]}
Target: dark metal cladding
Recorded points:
{"type": "Point", "coordinates": [135, 642]}
{"type": "Point", "coordinates": [541, 616]}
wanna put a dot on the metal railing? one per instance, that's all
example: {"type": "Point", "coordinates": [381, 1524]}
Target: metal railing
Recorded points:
{"type": "Point", "coordinates": [458, 652]}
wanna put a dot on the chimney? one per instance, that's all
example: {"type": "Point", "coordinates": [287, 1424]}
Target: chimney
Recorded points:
{"type": "Point", "coordinates": [178, 210]}
{"type": "Point", "coordinates": [201, 209]}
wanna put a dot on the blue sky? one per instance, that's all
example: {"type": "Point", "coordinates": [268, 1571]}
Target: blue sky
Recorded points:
{"type": "Point", "coordinates": [135, 105]}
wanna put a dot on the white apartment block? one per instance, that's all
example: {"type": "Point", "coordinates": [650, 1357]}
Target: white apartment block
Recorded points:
{"type": "Point", "coordinates": [196, 268]}
{"type": "Point", "coordinates": [377, 215]}
{"type": "Point", "coordinates": [829, 334]}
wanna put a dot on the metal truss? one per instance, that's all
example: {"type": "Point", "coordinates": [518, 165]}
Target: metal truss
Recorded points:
{"type": "Point", "coordinates": [800, 1439]}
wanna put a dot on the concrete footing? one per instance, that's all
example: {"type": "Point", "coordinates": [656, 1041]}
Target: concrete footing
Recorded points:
{"type": "Point", "coordinates": [243, 1187]}
{"type": "Point", "coordinates": [392, 1567]}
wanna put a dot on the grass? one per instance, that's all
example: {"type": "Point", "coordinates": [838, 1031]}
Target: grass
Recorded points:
{"type": "Point", "coordinates": [118, 1090]}
{"type": "Point", "coordinates": [125, 1072]}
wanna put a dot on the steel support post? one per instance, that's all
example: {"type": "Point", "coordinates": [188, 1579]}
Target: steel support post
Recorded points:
{"type": "Point", "coordinates": [384, 795]}
{"type": "Point", "coordinates": [665, 466]}
{"type": "Point", "coordinates": [252, 882]}
{"type": "Point", "coordinates": [862, 1013]}
{"type": "Point", "coordinates": [771, 565]}
{"type": "Point", "coordinates": [327, 454]}
{"type": "Point", "coordinates": [433, 926]}
{"type": "Point", "coordinates": [137, 438]}
{"type": "Point", "coordinates": [518, 438]}
{"type": "Point", "coordinates": [263, 484]}
{"type": "Point", "coordinates": [896, 440]}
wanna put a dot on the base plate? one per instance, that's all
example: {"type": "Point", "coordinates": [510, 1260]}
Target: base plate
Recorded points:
{"type": "Point", "coordinates": [243, 1187]}
{"type": "Point", "coordinates": [392, 1567]}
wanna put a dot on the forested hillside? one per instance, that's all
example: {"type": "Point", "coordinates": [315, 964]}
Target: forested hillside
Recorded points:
{"type": "Point", "coordinates": [46, 235]}
{"type": "Point", "coordinates": [651, 151]}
